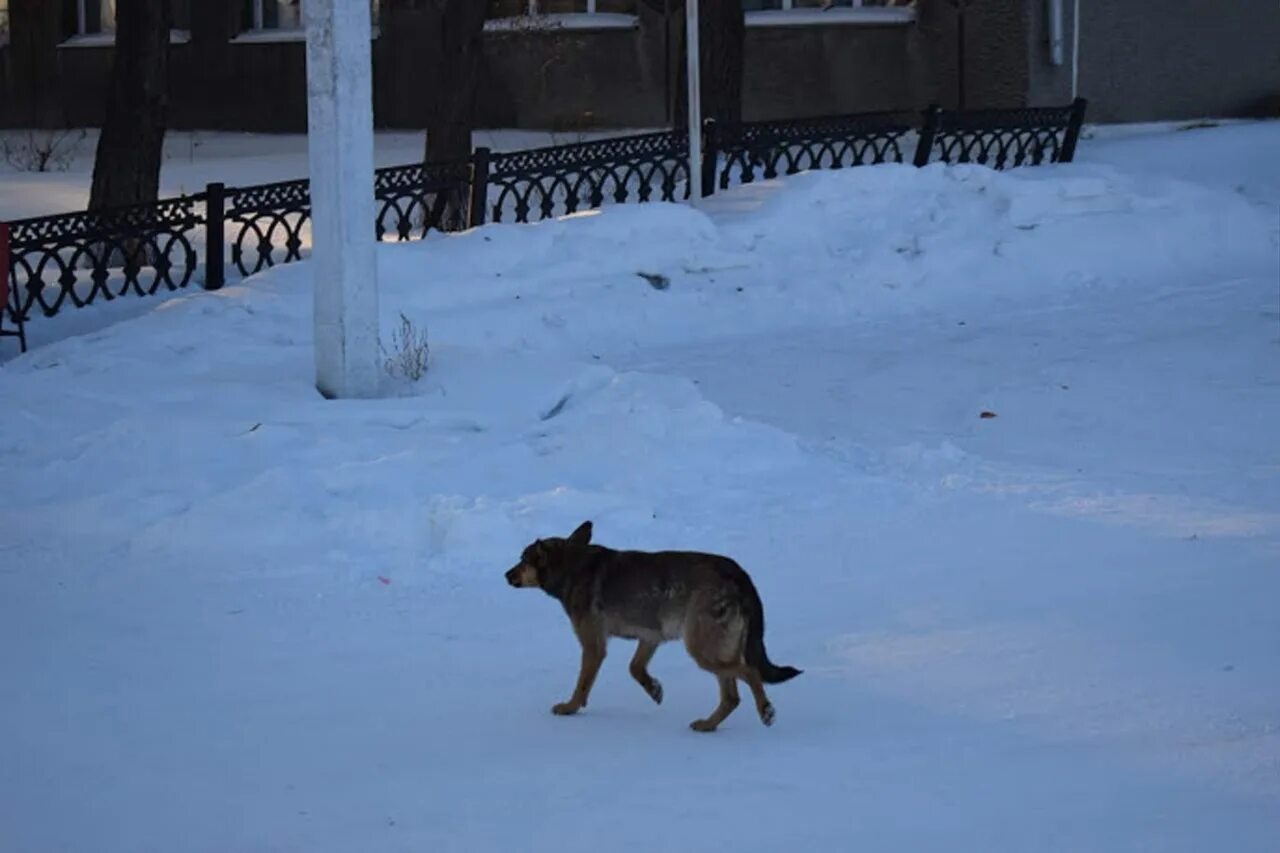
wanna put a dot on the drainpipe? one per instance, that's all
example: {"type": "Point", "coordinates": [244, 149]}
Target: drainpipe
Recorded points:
{"type": "Point", "coordinates": [1075, 51]}
{"type": "Point", "coordinates": [1055, 32]}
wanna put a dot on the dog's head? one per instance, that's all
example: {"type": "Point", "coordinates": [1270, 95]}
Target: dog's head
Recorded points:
{"type": "Point", "coordinates": [543, 563]}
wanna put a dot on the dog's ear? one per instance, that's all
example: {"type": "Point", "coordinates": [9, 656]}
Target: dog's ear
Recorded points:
{"type": "Point", "coordinates": [581, 536]}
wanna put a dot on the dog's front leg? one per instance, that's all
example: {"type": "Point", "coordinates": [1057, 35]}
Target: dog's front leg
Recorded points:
{"type": "Point", "coordinates": [593, 650]}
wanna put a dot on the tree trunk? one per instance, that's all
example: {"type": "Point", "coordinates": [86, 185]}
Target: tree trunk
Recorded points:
{"type": "Point", "coordinates": [723, 34]}
{"type": "Point", "coordinates": [454, 43]}
{"type": "Point", "coordinates": [455, 47]}
{"type": "Point", "coordinates": [126, 169]}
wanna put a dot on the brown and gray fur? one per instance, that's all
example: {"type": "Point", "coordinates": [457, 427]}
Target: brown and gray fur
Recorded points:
{"type": "Point", "coordinates": [706, 599]}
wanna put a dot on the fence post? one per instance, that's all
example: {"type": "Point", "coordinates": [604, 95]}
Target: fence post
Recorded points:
{"type": "Point", "coordinates": [215, 208]}
{"type": "Point", "coordinates": [928, 133]}
{"type": "Point", "coordinates": [478, 214]}
{"type": "Point", "coordinates": [1073, 130]}
{"type": "Point", "coordinates": [14, 311]}
{"type": "Point", "coordinates": [710, 157]}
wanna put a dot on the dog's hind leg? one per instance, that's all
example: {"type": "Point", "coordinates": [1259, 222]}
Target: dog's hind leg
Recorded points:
{"type": "Point", "coordinates": [640, 670]}
{"type": "Point", "coordinates": [715, 634]}
{"type": "Point", "coordinates": [765, 708]}
{"type": "Point", "coordinates": [593, 651]}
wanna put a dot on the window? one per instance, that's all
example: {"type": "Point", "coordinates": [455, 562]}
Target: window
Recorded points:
{"type": "Point", "coordinates": [4, 22]}
{"type": "Point", "coordinates": [94, 21]}
{"type": "Point", "coordinates": [520, 8]}
{"type": "Point", "coordinates": [95, 17]}
{"type": "Point", "coordinates": [281, 15]}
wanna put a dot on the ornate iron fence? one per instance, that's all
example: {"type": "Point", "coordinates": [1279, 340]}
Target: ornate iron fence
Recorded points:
{"type": "Point", "coordinates": [525, 186]}
{"type": "Point", "coordinates": [775, 148]}
{"type": "Point", "coordinates": [1001, 138]}
{"type": "Point", "coordinates": [80, 258]}
{"type": "Point", "coordinates": [417, 199]}
{"type": "Point", "coordinates": [271, 224]}
{"type": "Point", "coordinates": [267, 224]}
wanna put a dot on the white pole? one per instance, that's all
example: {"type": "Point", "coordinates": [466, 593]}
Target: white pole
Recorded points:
{"type": "Point", "coordinates": [340, 143]}
{"type": "Point", "coordinates": [694, 98]}
{"type": "Point", "coordinates": [1075, 52]}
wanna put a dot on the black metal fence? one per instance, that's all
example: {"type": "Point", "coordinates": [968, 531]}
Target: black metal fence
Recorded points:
{"type": "Point", "coordinates": [768, 149]}
{"type": "Point", "coordinates": [1001, 139]}
{"type": "Point", "coordinates": [81, 258]}
{"type": "Point", "coordinates": [547, 182]}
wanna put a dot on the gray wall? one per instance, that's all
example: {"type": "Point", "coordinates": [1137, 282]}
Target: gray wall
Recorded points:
{"type": "Point", "coordinates": [1176, 59]}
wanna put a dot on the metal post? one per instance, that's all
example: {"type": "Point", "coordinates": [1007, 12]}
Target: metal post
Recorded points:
{"type": "Point", "coordinates": [215, 204]}
{"type": "Point", "coordinates": [1078, 106]}
{"type": "Point", "coordinates": [710, 154]}
{"type": "Point", "coordinates": [14, 309]}
{"type": "Point", "coordinates": [928, 134]}
{"type": "Point", "coordinates": [695, 98]}
{"type": "Point", "coordinates": [479, 202]}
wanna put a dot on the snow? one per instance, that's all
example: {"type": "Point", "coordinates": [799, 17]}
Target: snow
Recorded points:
{"type": "Point", "coordinates": [235, 616]}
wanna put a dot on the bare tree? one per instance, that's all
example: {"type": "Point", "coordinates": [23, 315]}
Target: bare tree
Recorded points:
{"type": "Point", "coordinates": [126, 168]}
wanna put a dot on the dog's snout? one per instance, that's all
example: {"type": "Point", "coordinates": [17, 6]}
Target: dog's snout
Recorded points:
{"type": "Point", "coordinates": [513, 575]}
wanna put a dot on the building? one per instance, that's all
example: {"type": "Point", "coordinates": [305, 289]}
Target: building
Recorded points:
{"type": "Point", "coordinates": [566, 64]}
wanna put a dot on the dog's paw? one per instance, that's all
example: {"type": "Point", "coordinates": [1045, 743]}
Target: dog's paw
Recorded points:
{"type": "Point", "coordinates": [655, 690]}
{"type": "Point", "coordinates": [702, 726]}
{"type": "Point", "coordinates": [564, 709]}
{"type": "Point", "coordinates": [766, 714]}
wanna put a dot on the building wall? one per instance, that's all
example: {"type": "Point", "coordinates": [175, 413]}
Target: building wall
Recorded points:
{"type": "Point", "coordinates": [996, 63]}
{"type": "Point", "coordinates": [809, 71]}
{"type": "Point", "coordinates": [1178, 59]}
{"type": "Point", "coordinates": [564, 79]}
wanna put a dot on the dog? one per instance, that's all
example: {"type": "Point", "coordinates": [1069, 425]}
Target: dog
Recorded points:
{"type": "Point", "coordinates": [706, 599]}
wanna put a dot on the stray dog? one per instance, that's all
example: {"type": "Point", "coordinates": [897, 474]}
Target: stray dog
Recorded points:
{"type": "Point", "coordinates": [707, 599]}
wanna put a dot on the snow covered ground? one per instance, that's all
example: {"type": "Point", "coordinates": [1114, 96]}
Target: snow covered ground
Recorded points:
{"type": "Point", "coordinates": [234, 616]}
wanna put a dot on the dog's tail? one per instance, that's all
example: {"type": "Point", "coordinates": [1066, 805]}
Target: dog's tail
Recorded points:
{"type": "Point", "coordinates": [754, 652]}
